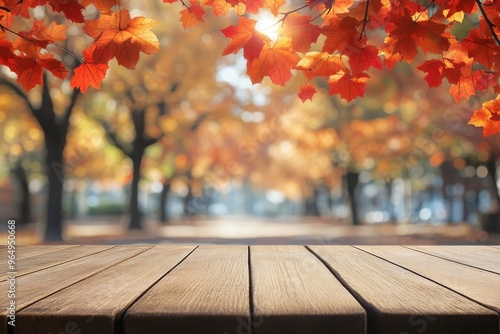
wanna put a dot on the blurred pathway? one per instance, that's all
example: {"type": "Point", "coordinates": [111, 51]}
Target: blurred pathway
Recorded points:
{"type": "Point", "coordinates": [251, 230]}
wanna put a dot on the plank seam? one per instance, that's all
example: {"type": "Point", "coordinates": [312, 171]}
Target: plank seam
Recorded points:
{"type": "Point", "coordinates": [11, 328]}
{"type": "Point", "coordinates": [370, 309]}
{"type": "Point", "coordinates": [82, 279]}
{"type": "Point", "coordinates": [250, 294]}
{"type": "Point", "coordinates": [444, 258]}
{"type": "Point", "coordinates": [430, 279]}
{"type": "Point", "coordinates": [67, 261]}
{"type": "Point", "coordinates": [119, 323]}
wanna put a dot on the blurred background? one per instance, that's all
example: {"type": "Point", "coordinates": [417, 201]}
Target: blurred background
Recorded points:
{"type": "Point", "coordinates": [186, 150]}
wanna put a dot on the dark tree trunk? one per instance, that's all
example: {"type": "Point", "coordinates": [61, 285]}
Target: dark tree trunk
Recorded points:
{"type": "Point", "coordinates": [352, 180]}
{"type": "Point", "coordinates": [24, 214]}
{"type": "Point", "coordinates": [492, 172]}
{"type": "Point", "coordinates": [311, 204]}
{"type": "Point", "coordinates": [189, 209]}
{"type": "Point", "coordinates": [55, 129]}
{"type": "Point", "coordinates": [135, 213]}
{"type": "Point", "coordinates": [55, 173]}
{"type": "Point", "coordinates": [163, 202]}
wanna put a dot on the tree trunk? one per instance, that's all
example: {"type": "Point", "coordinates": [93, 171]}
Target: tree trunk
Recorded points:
{"type": "Point", "coordinates": [24, 205]}
{"type": "Point", "coordinates": [352, 179]}
{"type": "Point", "coordinates": [311, 204]}
{"type": "Point", "coordinates": [492, 172]}
{"type": "Point", "coordinates": [163, 202]}
{"type": "Point", "coordinates": [55, 173]}
{"type": "Point", "coordinates": [187, 201]}
{"type": "Point", "coordinates": [135, 212]}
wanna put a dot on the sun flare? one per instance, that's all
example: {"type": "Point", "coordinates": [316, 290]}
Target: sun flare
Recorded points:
{"type": "Point", "coordinates": [268, 25]}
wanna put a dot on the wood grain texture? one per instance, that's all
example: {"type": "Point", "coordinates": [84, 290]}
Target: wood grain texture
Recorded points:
{"type": "Point", "coordinates": [82, 303]}
{"type": "Point", "coordinates": [399, 301]}
{"type": "Point", "coordinates": [35, 263]}
{"type": "Point", "coordinates": [207, 293]}
{"type": "Point", "coordinates": [35, 286]}
{"type": "Point", "coordinates": [482, 257]}
{"type": "Point", "coordinates": [294, 292]}
{"type": "Point", "coordinates": [479, 285]}
{"type": "Point", "coordinates": [28, 252]}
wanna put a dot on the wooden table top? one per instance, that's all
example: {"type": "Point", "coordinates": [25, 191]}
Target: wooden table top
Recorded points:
{"type": "Point", "coordinates": [256, 289]}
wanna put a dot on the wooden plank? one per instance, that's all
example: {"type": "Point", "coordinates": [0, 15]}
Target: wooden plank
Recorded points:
{"type": "Point", "coordinates": [482, 257]}
{"type": "Point", "coordinates": [35, 263]}
{"type": "Point", "coordinates": [35, 286]}
{"type": "Point", "coordinates": [24, 252]}
{"type": "Point", "coordinates": [399, 301]}
{"type": "Point", "coordinates": [81, 305]}
{"type": "Point", "coordinates": [294, 292]}
{"type": "Point", "coordinates": [477, 284]}
{"type": "Point", "coordinates": [207, 293]}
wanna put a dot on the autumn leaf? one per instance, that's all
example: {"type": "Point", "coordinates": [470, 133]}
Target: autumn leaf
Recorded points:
{"type": "Point", "coordinates": [488, 117]}
{"type": "Point", "coordinates": [455, 6]}
{"type": "Point", "coordinates": [30, 71]}
{"type": "Point", "coordinates": [102, 5]}
{"type": "Point", "coordinates": [340, 33]}
{"type": "Point", "coordinates": [191, 16]}
{"type": "Point", "coordinates": [320, 64]}
{"type": "Point", "coordinates": [118, 36]}
{"type": "Point", "coordinates": [347, 86]}
{"type": "Point", "coordinates": [89, 74]}
{"type": "Point", "coordinates": [301, 31]}
{"type": "Point", "coordinates": [275, 62]}
{"type": "Point", "coordinates": [409, 35]}
{"type": "Point", "coordinates": [70, 8]}
{"type": "Point", "coordinates": [244, 36]}
{"type": "Point", "coordinates": [41, 35]}
{"type": "Point", "coordinates": [438, 69]}
{"type": "Point", "coordinates": [481, 46]}
{"type": "Point", "coordinates": [363, 57]}
{"type": "Point", "coordinates": [306, 92]}
{"type": "Point", "coordinates": [274, 5]}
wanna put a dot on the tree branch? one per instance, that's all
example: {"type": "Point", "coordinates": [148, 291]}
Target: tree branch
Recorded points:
{"type": "Point", "coordinates": [19, 92]}
{"type": "Point", "coordinates": [71, 106]}
{"type": "Point", "coordinates": [113, 138]}
{"type": "Point", "coordinates": [148, 141]}
{"type": "Point", "coordinates": [488, 21]}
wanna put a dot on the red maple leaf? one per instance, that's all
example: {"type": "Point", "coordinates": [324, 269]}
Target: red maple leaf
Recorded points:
{"type": "Point", "coordinates": [407, 35]}
{"type": "Point", "coordinates": [340, 32]}
{"type": "Point", "coordinates": [362, 58]}
{"type": "Point", "coordinates": [307, 92]}
{"type": "Point", "coordinates": [244, 36]}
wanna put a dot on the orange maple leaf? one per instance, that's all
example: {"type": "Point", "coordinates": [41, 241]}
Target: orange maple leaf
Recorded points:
{"type": "Point", "coordinates": [117, 35]}
{"type": "Point", "coordinates": [191, 16]}
{"type": "Point", "coordinates": [320, 64]}
{"type": "Point", "coordinates": [102, 5]}
{"type": "Point", "coordinates": [349, 87]}
{"type": "Point", "coordinates": [89, 74]}
{"type": "Point", "coordinates": [340, 32]}
{"type": "Point", "coordinates": [488, 117]}
{"type": "Point", "coordinates": [301, 31]}
{"type": "Point", "coordinates": [245, 37]}
{"type": "Point", "coordinates": [275, 62]}
{"type": "Point", "coordinates": [274, 5]}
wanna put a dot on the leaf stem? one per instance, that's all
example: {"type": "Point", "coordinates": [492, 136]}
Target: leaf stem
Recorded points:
{"type": "Point", "coordinates": [364, 20]}
{"type": "Point", "coordinates": [69, 52]}
{"type": "Point", "coordinates": [5, 9]}
{"type": "Point", "coordinates": [488, 21]}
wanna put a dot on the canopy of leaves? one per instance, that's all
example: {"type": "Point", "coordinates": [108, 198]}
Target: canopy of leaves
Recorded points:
{"type": "Point", "coordinates": [340, 40]}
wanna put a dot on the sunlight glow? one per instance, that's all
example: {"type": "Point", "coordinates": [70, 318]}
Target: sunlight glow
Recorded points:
{"type": "Point", "coordinates": [268, 25]}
